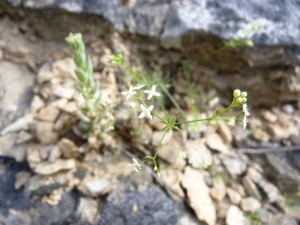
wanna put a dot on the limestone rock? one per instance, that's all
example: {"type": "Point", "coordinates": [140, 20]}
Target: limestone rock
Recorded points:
{"type": "Point", "coordinates": [20, 124]}
{"type": "Point", "coordinates": [68, 148]}
{"type": "Point", "coordinates": [46, 168]}
{"type": "Point", "coordinates": [218, 191]}
{"type": "Point", "coordinates": [250, 204]}
{"type": "Point", "coordinates": [64, 68]}
{"type": "Point", "coordinates": [234, 216]}
{"type": "Point", "coordinates": [23, 137]}
{"type": "Point", "coordinates": [94, 186]}
{"type": "Point", "coordinates": [225, 132]}
{"type": "Point", "coordinates": [63, 92]}
{"type": "Point", "coordinates": [280, 219]}
{"type": "Point", "coordinates": [234, 196]}
{"type": "Point", "coordinates": [215, 142]}
{"type": "Point", "coordinates": [198, 154]}
{"type": "Point", "coordinates": [157, 135]}
{"type": "Point", "coordinates": [61, 122]}
{"type": "Point", "coordinates": [198, 194]}
{"type": "Point", "coordinates": [37, 102]}
{"type": "Point", "coordinates": [234, 165]}
{"type": "Point", "coordinates": [44, 184]}
{"type": "Point", "coordinates": [21, 178]}
{"type": "Point", "coordinates": [10, 149]}
{"type": "Point", "coordinates": [44, 132]}
{"type": "Point", "coordinates": [54, 154]}
{"type": "Point", "coordinates": [48, 114]}
{"type": "Point", "coordinates": [87, 215]}
{"type": "Point", "coordinates": [251, 188]}
{"type": "Point", "coordinates": [45, 74]}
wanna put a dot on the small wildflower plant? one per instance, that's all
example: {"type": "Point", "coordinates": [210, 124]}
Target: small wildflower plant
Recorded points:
{"type": "Point", "coordinates": [96, 118]}
{"type": "Point", "coordinates": [145, 94]}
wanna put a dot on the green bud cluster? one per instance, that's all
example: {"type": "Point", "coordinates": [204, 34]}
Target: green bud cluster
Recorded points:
{"type": "Point", "coordinates": [92, 111]}
{"type": "Point", "coordinates": [239, 97]}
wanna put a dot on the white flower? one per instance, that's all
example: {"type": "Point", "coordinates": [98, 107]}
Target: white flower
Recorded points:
{"type": "Point", "coordinates": [152, 92]}
{"type": "Point", "coordinates": [135, 165]}
{"type": "Point", "coordinates": [129, 93]}
{"type": "Point", "coordinates": [245, 110]}
{"type": "Point", "coordinates": [213, 102]}
{"type": "Point", "coordinates": [250, 29]}
{"type": "Point", "coordinates": [245, 121]}
{"type": "Point", "coordinates": [138, 86]}
{"type": "Point", "coordinates": [146, 112]}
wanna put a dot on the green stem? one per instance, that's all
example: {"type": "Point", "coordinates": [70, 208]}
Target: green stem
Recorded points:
{"type": "Point", "coordinates": [173, 101]}
{"type": "Point", "coordinates": [214, 52]}
{"type": "Point", "coordinates": [158, 147]}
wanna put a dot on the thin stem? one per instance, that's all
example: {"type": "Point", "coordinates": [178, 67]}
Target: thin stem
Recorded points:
{"type": "Point", "coordinates": [158, 147]}
{"type": "Point", "coordinates": [214, 52]}
{"type": "Point", "coordinates": [173, 101]}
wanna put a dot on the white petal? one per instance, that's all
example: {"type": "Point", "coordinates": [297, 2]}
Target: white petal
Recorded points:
{"type": "Point", "coordinates": [156, 94]}
{"type": "Point", "coordinates": [124, 93]}
{"type": "Point", "coordinates": [150, 96]}
{"type": "Point", "coordinates": [150, 108]}
{"type": "Point", "coordinates": [143, 107]}
{"type": "Point", "coordinates": [142, 115]}
{"type": "Point", "coordinates": [147, 92]}
{"type": "Point", "coordinates": [134, 160]}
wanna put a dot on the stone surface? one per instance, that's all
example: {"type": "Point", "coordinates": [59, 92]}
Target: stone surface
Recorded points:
{"type": "Point", "coordinates": [198, 194]}
{"type": "Point", "coordinates": [225, 132]}
{"type": "Point", "coordinates": [9, 148]}
{"type": "Point", "coordinates": [251, 188]}
{"type": "Point", "coordinates": [46, 168]}
{"type": "Point", "coordinates": [215, 142]}
{"type": "Point", "coordinates": [21, 178]}
{"type": "Point", "coordinates": [218, 191]}
{"type": "Point", "coordinates": [234, 165]}
{"type": "Point", "coordinates": [23, 137]}
{"type": "Point", "coordinates": [234, 196]}
{"type": "Point", "coordinates": [198, 154]}
{"type": "Point", "coordinates": [280, 219]}
{"type": "Point", "coordinates": [234, 216]}
{"type": "Point", "coordinates": [48, 114]}
{"type": "Point", "coordinates": [68, 148]}
{"type": "Point", "coordinates": [94, 186]}
{"type": "Point", "coordinates": [20, 124]}
{"type": "Point", "coordinates": [250, 204]}
{"type": "Point", "coordinates": [44, 132]}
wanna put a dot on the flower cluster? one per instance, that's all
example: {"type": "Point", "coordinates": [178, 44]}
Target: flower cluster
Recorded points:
{"type": "Point", "coordinates": [241, 98]}
{"type": "Point", "coordinates": [146, 110]}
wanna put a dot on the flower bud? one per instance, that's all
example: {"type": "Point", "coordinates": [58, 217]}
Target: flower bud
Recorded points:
{"type": "Point", "coordinates": [239, 100]}
{"type": "Point", "coordinates": [244, 100]}
{"type": "Point", "coordinates": [236, 93]}
{"type": "Point", "coordinates": [131, 105]}
{"type": "Point", "coordinates": [244, 94]}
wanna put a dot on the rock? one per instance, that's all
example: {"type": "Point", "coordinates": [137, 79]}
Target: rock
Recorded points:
{"type": "Point", "coordinates": [215, 142]}
{"type": "Point", "coordinates": [157, 135]}
{"type": "Point", "coordinates": [188, 219]}
{"type": "Point", "coordinates": [48, 114]}
{"type": "Point", "coordinates": [225, 132]}
{"type": "Point", "coordinates": [18, 81]}
{"type": "Point", "coordinates": [234, 165]}
{"type": "Point", "coordinates": [43, 184]}
{"type": "Point", "coordinates": [59, 103]}
{"type": "Point", "coordinates": [71, 107]}
{"type": "Point", "coordinates": [264, 215]}
{"type": "Point", "coordinates": [287, 177]}
{"type": "Point", "coordinates": [10, 149]}
{"type": "Point", "coordinates": [170, 151]}
{"type": "Point", "coordinates": [68, 148]}
{"type": "Point", "coordinates": [46, 168]}
{"type": "Point", "coordinates": [218, 191]}
{"type": "Point", "coordinates": [222, 208]}
{"type": "Point", "coordinates": [260, 135]}
{"type": "Point", "coordinates": [44, 132]}
{"type": "Point", "coordinates": [94, 186]}
{"type": "Point", "coordinates": [61, 122]}
{"type": "Point", "coordinates": [269, 116]}
{"type": "Point", "coordinates": [64, 68]}
{"type": "Point", "coordinates": [45, 74]}
{"type": "Point", "coordinates": [282, 132]}
{"type": "Point", "coordinates": [270, 189]}
{"type": "Point", "coordinates": [198, 194]}
{"type": "Point", "coordinates": [238, 188]}
{"type": "Point", "coordinates": [33, 155]}
{"type": "Point", "coordinates": [288, 108]}
{"type": "Point", "coordinates": [54, 197]}
{"type": "Point", "coordinates": [90, 215]}
{"type": "Point", "coordinates": [23, 137]}
{"type": "Point", "coordinates": [21, 178]}
{"type": "Point", "coordinates": [63, 92]}
{"type": "Point", "coordinates": [20, 124]}
{"type": "Point", "coordinates": [251, 188]}
{"type": "Point", "coordinates": [171, 178]}
{"type": "Point", "coordinates": [234, 216]}
{"type": "Point", "coordinates": [281, 219]}
{"type": "Point", "coordinates": [198, 154]}
{"type": "Point", "coordinates": [54, 154]}
{"type": "Point", "coordinates": [44, 151]}
{"type": "Point", "coordinates": [250, 204]}
{"type": "Point", "coordinates": [37, 102]}
{"type": "Point", "coordinates": [234, 196]}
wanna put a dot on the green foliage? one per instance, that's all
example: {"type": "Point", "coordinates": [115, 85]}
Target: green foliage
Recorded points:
{"type": "Point", "coordinates": [292, 200]}
{"type": "Point", "coordinates": [253, 218]}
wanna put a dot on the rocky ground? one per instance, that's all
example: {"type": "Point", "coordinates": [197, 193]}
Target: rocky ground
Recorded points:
{"type": "Point", "coordinates": [48, 175]}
